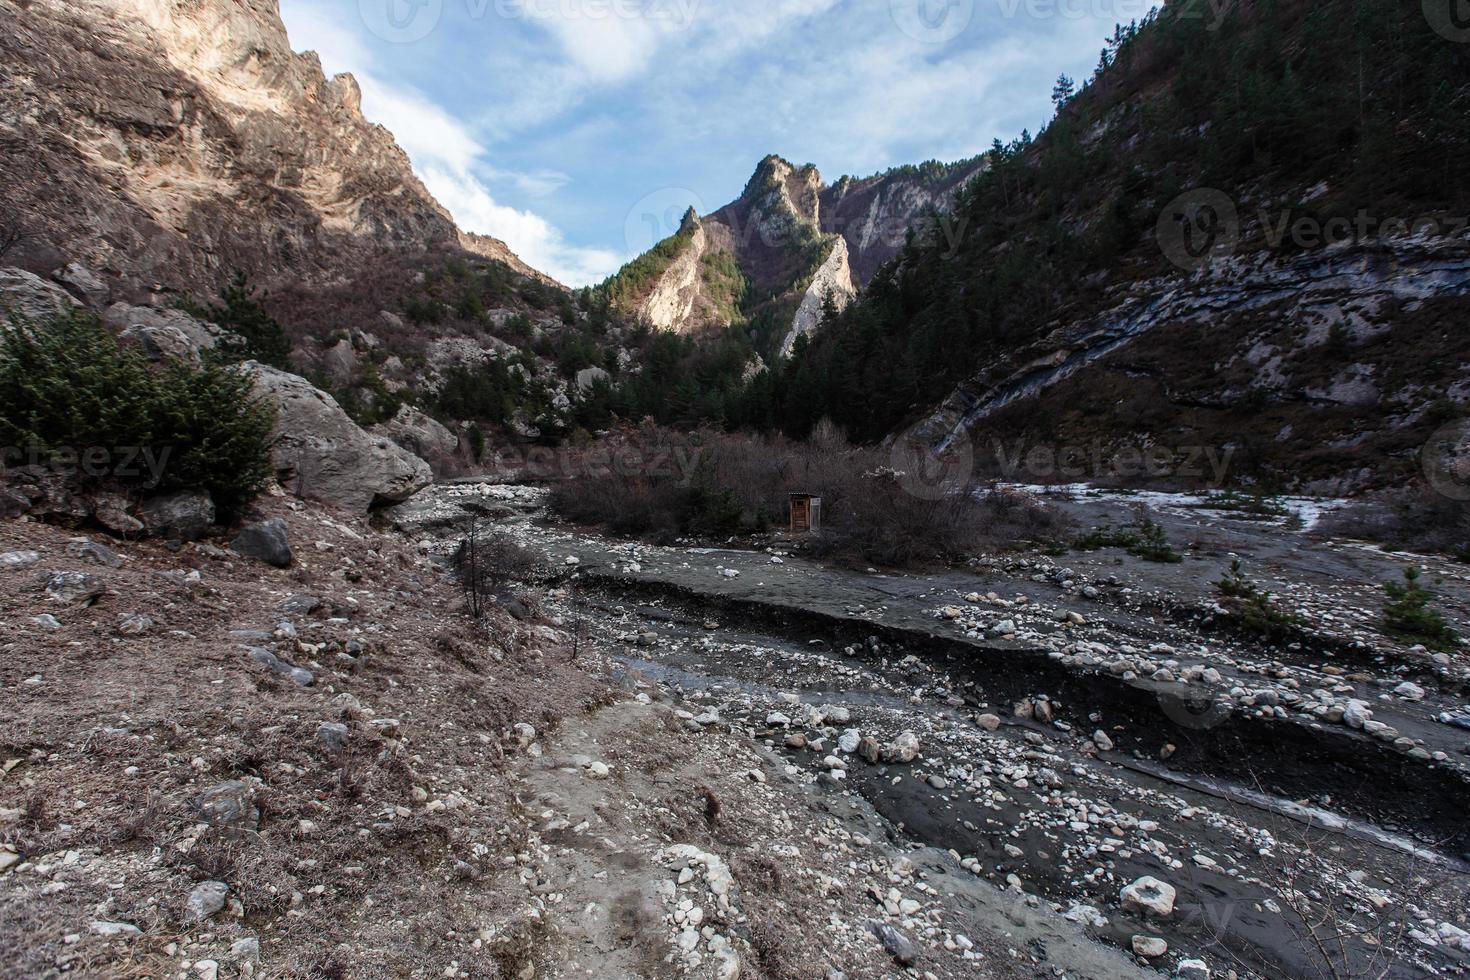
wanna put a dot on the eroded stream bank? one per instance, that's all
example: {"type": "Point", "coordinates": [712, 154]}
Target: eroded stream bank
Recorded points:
{"type": "Point", "coordinates": [1064, 738]}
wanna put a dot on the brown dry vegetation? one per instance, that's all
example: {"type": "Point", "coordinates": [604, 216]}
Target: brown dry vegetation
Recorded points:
{"type": "Point", "coordinates": [664, 484]}
{"type": "Point", "coordinates": [353, 870]}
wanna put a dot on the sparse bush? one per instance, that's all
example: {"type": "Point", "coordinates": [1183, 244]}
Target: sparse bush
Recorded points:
{"type": "Point", "coordinates": [717, 486]}
{"type": "Point", "coordinates": [1416, 519]}
{"type": "Point", "coordinates": [1407, 616]}
{"type": "Point", "coordinates": [487, 564]}
{"type": "Point", "coordinates": [1253, 609]}
{"type": "Point", "coordinates": [68, 387]}
{"type": "Point", "coordinates": [254, 333]}
{"type": "Point", "coordinates": [1144, 539]}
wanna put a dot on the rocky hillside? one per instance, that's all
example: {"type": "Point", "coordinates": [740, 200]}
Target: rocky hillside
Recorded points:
{"type": "Point", "coordinates": [167, 143]}
{"type": "Point", "coordinates": [771, 258]}
{"type": "Point", "coordinates": [1225, 239]}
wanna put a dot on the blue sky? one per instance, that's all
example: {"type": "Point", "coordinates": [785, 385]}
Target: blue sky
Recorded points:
{"type": "Point", "coordinates": [579, 130]}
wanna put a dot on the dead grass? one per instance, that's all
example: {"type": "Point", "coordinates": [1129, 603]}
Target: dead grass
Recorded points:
{"type": "Point", "coordinates": [664, 485]}
{"type": "Point", "coordinates": [117, 736]}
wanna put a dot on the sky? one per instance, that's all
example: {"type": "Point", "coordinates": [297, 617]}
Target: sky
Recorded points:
{"type": "Point", "coordinates": [579, 131]}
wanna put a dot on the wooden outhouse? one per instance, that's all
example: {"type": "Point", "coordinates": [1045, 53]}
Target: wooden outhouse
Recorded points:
{"type": "Point", "coordinates": [806, 513]}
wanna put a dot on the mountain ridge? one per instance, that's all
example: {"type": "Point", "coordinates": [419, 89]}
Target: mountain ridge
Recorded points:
{"type": "Point", "coordinates": [794, 240]}
{"type": "Point", "coordinates": [169, 144]}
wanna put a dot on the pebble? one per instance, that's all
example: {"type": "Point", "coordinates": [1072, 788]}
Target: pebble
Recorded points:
{"type": "Point", "coordinates": [1149, 947]}
{"type": "Point", "coordinates": [1149, 895]}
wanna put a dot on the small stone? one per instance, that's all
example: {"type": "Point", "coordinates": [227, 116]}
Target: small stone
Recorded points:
{"type": "Point", "coordinates": [75, 588]}
{"type": "Point", "coordinates": [207, 969]}
{"type": "Point", "coordinates": [904, 749]}
{"type": "Point", "coordinates": [899, 946]}
{"type": "Point", "coordinates": [1149, 947]}
{"type": "Point", "coordinates": [332, 736]}
{"type": "Point", "coordinates": [206, 899]}
{"type": "Point", "coordinates": [988, 722]}
{"type": "Point", "coordinates": [1149, 895]}
{"type": "Point", "coordinates": [90, 550]}
{"type": "Point", "coordinates": [134, 624]}
{"type": "Point", "coordinates": [12, 561]}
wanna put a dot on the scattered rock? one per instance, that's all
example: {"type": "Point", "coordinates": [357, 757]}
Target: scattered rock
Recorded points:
{"type": "Point", "coordinates": [897, 945]}
{"type": "Point", "coordinates": [31, 299]}
{"type": "Point", "coordinates": [206, 899]}
{"type": "Point", "coordinates": [1193, 970]}
{"type": "Point", "coordinates": [988, 722]}
{"type": "Point", "coordinates": [1149, 947]}
{"type": "Point", "coordinates": [230, 805]}
{"type": "Point", "coordinates": [14, 560]}
{"type": "Point", "coordinates": [1149, 895]}
{"type": "Point", "coordinates": [75, 588]}
{"type": "Point", "coordinates": [275, 664]}
{"type": "Point", "coordinates": [265, 541]}
{"type": "Point", "coordinates": [184, 516]}
{"type": "Point", "coordinates": [91, 551]}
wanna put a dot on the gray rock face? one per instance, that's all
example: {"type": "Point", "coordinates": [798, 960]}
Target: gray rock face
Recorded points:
{"type": "Point", "coordinates": [31, 299]}
{"type": "Point", "coordinates": [265, 541]}
{"type": "Point", "coordinates": [163, 334]}
{"type": "Point", "coordinates": [340, 362]}
{"type": "Point", "coordinates": [320, 453]}
{"type": "Point", "coordinates": [83, 283]}
{"type": "Point", "coordinates": [184, 516]}
{"type": "Point", "coordinates": [416, 432]}
{"type": "Point", "coordinates": [239, 153]}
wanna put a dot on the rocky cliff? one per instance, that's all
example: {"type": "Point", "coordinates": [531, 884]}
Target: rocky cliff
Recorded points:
{"type": "Point", "coordinates": [770, 258]}
{"type": "Point", "coordinates": [166, 143]}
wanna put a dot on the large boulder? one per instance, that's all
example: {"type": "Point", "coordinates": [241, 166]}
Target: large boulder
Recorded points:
{"type": "Point", "coordinates": [418, 433]}
{"type": "Point", "coordinates": [163, 334]}
{"type": "Point", "coordinates": [184, 516]}
{"type": "Point", "coordinates": [31, 299]}
{"type": "Point", "coordinates": [83, 283]}
{"type": "Point", "coordinates": [267, 541]}
{"type": "Point", "coordinates": [320, 453]}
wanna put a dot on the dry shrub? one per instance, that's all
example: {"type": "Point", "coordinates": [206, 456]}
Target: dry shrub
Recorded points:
{"type": "Point", "coordinates": [663, 485]}
{"type": "Point", "coordinates": [1412, 519]}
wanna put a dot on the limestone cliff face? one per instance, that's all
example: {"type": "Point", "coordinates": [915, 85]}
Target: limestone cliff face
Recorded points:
{"type": "Point", "coordinates": [793, 240]}
{"type": "Point", "coordinates": [834, 280]}
{"type": "Point", "coordinates": [169, 142]}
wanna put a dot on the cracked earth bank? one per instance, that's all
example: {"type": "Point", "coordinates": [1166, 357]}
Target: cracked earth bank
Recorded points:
{"type": "Point", "coordinates": [1095, 740]}
{"type": "Point", "coordinates": [211, 768]}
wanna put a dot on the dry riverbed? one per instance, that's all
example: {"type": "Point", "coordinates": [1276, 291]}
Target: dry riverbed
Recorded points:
{"type": "Point", "coordinates": [1064, 729]}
